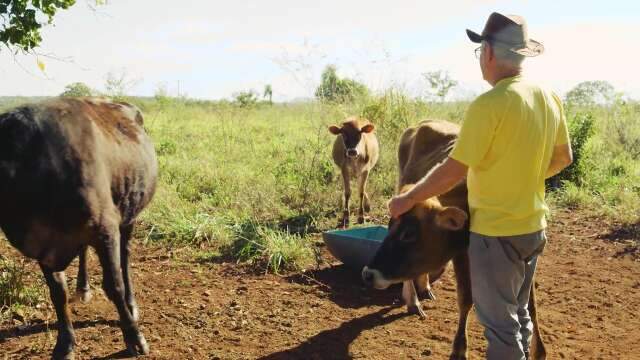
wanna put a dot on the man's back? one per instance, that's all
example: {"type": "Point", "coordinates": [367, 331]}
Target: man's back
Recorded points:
{"type": "Point", "coordinates": [507, 141]}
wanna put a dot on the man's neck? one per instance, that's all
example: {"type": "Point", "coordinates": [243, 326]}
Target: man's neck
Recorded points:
{"type": "Point", "coordinates": [503, 74]}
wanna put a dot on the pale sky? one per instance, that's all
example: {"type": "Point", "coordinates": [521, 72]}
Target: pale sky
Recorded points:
{"type": "Point", "coordinates": [211, 49]}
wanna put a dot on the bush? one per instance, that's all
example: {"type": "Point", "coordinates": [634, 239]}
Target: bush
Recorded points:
{"type": "Point", "coordinates": [77, 89]}
{"type": "Point", "coordinates": [581, 129]}
{"type": "Point", "coordinates": [15, 294]}
{"type": "Point", "coordinates": [276, 250]}
{"type": "Point", "coordinates": [334, 89]}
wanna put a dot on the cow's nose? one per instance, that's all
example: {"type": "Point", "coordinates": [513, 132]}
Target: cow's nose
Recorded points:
{"type": "Point", "coordinates": [367, 276]}
{"type": "Point", "coordinates": [352, 153]}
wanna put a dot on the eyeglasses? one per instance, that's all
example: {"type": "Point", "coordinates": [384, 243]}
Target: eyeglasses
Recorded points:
{"type": "Point", "coordinates": [478, 51]}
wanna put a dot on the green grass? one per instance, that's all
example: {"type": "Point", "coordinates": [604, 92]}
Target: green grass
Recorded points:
{"type": "Point", "coordinates": [18, 293]}
{"type": "Point", "coordinates": [225, 169]}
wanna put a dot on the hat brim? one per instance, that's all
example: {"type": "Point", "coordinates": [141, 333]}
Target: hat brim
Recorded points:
{"type": "Point", "coordinates": [532, 48]}
{"type": "Point", "coordinates": [474, 36]}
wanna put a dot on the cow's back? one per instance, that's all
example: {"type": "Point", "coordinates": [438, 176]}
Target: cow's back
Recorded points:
{"type": "Point", "coordinates": [63, 162]}
{"type": "Point", "coordinates": [424, 146]}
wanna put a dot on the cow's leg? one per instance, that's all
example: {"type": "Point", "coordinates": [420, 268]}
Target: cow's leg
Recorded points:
{"type": "Point", "coordinates": [108, 249]}
{"type": "Point", "coordinates": [364, 198]}
{"type": "Point", "coordinates": [58, 291]}
{"type": "Point", "coordinates": [344, 222]}
{"type": "Point", "coordinates": [83, 291]}
{"type": "Point", "coordinates": [423, 287]}
{"type": "Point", "coordinates": [465, 302]}
{"type": "Point", "coordinates": [538, 351]}
{"type": "Point", "coordinates": [125, 236]}
{"type": "Point", "coordinates": [410, 298]}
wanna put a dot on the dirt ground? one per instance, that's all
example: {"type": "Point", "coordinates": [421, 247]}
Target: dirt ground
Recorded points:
{"type": "Point", "coordinates": [588, 296]}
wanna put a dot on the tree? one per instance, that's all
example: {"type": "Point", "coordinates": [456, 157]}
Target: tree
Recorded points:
{"type": "Point", "coordinates": [268, 92]}
{"type": "Point", "coordinates": [334, 89]}
{"type": "Point", "coordinates": [118, 84]}
{"type": "Point", "coordinates": [441, 83]}
{"type": "Point", "coordinates": [77, 89]}
{"type": "Point", "coordinates": [21, 21]}
{"type": "Point", "coordinates": [589, 93]}
{"type": "Point", "coordinates": [245, 98]}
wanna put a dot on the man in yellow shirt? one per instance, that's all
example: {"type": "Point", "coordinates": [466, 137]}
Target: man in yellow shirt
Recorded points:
{"type": "Point", "coordinates": [513, 137]}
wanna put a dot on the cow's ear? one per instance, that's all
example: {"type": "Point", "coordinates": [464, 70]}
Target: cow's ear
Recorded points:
{"type": "Point", "coordinates": [451, 218]}
{"type": "Point", "coordinates": [335, 130]}
{"type": "Point", "coordinates": [367, 128]}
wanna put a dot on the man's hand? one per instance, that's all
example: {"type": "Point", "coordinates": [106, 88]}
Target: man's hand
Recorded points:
{"type": "Point", "coordinates": [437, 182]}
{"type": "Point", "coordinates": [399, 205]}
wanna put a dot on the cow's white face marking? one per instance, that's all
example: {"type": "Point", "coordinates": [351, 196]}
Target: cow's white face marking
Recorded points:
{"type": "Point", "coordinates": [377, 280]}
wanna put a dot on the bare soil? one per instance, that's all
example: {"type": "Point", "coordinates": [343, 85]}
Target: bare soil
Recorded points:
{"type": "Point", "coordinates": [588, 295]}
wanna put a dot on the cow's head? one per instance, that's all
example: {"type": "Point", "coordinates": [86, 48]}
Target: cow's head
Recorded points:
{"type": "Point", "coordinates": [415, 241]}
{"type": "Point", "coordinates": [351, 131]}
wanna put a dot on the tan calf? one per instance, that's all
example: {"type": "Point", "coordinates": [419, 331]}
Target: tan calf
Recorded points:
{"type": "Point", "coordinates": [355, 151]}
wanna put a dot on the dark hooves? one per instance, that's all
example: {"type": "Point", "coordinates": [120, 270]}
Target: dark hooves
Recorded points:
{"type": "Point", "coordinates": [427, 294]}
{"type": "Point", "coordinates": [138, 347]}
{"type": "Point", "coordinates": [63, 352]}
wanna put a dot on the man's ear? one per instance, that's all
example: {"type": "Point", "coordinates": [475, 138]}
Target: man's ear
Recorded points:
{"type": "Point", "coordinates": [451, 218]}
{"type": "Point", "coordinates": [367, 128]}
{"type": "Point", "coordinates": [335, 130]}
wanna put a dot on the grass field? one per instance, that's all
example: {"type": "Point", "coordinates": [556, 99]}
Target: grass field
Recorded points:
{"type": "Point", "coordinates": [258, 183]}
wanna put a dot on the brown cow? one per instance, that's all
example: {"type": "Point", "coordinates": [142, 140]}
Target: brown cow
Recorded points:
{"type": "Point", "coordinates": [432, 233]}
{"type": "Point", "coordinates": [76, 173]}
{"type": "Point", "coordinates": [355, 151]}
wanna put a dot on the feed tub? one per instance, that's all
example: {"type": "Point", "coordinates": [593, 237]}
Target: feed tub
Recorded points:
{"type": "Point", "coordinates": [355, 247]}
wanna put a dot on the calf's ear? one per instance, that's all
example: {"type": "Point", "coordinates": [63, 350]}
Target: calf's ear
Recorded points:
{"type": "Point", "coordinates": [335, 130]}
{"type": "Point", "coordinates": [451, 218]}
{"type": "Point", "coordinates": [367, 128]}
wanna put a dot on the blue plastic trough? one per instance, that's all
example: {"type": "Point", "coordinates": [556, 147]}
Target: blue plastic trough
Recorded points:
{"type": "Point", "coordinates": [355, 247]}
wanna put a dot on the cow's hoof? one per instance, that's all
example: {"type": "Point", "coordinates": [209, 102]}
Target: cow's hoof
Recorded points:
{"type": "Point", "coordinates": [426, 294]}
{"type": "Point", "coordinates": [137, 346]}
{"type": "Point", "coordinates": [343, 223]}
{"type": "Point", "coordinates": [63, 351]}
{"type": "Point", "coordinates": [360, 219]}
{"type": "Point", "coordinates": [83, 296]}
{"type": "Point", "coordinates": [416, 309]}
{"type": "Point", "coordinates": [457, 357]}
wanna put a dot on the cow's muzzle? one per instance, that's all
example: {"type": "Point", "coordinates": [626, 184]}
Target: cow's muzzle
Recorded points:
{"type": "Point", "coordinates": [375, 279]}
{"type": "Point", "coordinates": [352, 153]}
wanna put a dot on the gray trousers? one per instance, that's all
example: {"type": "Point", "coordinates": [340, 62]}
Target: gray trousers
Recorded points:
{"type": "Point", "coordinates": [502, 270]}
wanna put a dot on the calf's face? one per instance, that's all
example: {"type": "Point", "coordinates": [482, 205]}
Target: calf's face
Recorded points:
{"type": "Point", "coordinates": [413, 244]}
{"type": "Point", "coordinates": [351, 136]}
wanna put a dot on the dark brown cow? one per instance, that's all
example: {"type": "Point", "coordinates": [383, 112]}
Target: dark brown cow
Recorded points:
{"type": "Point", "coordinates": [355, 151]}
{"type": "Point", "coordinates": [434, 232]}
{"type": "Point", "coordinates": [76, 173]}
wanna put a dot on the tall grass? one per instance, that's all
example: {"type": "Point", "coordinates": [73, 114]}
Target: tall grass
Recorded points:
{"type": "Point", "coordinates": [224, 166]}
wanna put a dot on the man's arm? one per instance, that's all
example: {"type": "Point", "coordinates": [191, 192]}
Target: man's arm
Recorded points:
{"type": "Point", "coordinates": [561, 158]}
{"type": "Point", "coordinates": [438, 181]}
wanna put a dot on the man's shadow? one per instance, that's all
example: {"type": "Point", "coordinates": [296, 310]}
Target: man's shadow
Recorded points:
{"type": "Point", "coordinates": [334, 343]}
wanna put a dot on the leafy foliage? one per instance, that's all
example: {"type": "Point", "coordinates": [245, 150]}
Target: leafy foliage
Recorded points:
{"type": "Point", "coordinates": [581, 129]}
{"type": "Point", "coordinates": [76, 89]}
{"type": "Point", "coordinates": [441, 83]}
{"type": "Point", "coordinates": [590, 93]}
{"type": "Point", "coordinates": [334, 89]}
{"type": "Point", "coordinates": [268, 93]}
{"type": "Point", "coordinates": [245, 98]}
{"type": "Point", "coordinates": [22, 20]}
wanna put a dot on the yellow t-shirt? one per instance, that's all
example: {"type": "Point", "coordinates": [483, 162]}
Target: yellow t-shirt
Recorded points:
{"type": "Point", "coordinates": [507, 140]}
